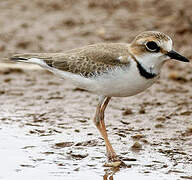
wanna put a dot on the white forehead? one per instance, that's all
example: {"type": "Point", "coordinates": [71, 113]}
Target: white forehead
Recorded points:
{"type": "Point", "coordinates": [166, 45]}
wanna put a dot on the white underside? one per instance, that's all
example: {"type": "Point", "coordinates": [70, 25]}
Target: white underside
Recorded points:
{"type": "Point", "coordinates": [119, 82]}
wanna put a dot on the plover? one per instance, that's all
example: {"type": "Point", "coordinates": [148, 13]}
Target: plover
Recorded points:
{"type": "Point", "coordinates": [110, 69]}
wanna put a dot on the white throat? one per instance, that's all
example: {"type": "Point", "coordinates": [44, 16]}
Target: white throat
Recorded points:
{"type": "Point", "coordinates": [151, 63]}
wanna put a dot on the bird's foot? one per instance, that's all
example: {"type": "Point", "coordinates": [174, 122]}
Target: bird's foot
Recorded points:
{"type": "Point", "coordinates": [114, 161]}
{"type": "Point", "coordinates": [114, 164]}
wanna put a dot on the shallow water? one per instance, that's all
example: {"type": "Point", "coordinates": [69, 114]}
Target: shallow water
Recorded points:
{"type": "Point", "coordinates": [26, 156]}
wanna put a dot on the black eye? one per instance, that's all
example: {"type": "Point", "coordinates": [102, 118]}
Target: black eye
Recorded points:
{"type": "Point", "coordinates": [152, 46]}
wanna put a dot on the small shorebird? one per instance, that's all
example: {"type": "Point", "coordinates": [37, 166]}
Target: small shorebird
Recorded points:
{"type": "Point", "coordinates": [110, 69]}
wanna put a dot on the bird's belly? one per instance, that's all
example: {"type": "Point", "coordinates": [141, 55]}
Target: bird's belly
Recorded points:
{"type": "Point", "coordinates": [121, 84]}
{"type": "Point", "coordinates": [117, 83]}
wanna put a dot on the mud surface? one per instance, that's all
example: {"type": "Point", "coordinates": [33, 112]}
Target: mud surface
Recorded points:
{"type": "Point", "coordinates": [46, 128]}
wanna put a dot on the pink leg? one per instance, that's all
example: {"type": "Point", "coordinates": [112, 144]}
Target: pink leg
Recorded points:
{"type": "Point", "coordinates": [100, 124]}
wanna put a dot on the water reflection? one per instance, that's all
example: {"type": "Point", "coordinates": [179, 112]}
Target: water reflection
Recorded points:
{"type": "Point", "coordinates": [109, 173]}
{"type": "Point", "coordinates": [108, 176]}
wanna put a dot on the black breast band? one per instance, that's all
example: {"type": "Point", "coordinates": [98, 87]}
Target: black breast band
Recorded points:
{"type": "Point", "coordinates": [144, 73]}
{"type": "Point", "coordinates": [142, 70]}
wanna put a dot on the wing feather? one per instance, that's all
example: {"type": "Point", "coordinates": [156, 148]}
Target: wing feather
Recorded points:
{"type": "Point", "coordinates": [86, 60]}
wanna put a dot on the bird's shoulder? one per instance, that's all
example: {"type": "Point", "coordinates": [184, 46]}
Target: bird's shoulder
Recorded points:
{"type": "Point", "coordinates": [103, 53]}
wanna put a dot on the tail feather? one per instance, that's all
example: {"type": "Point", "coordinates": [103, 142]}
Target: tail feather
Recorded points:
{"type": "Point", "coordinates": [24, 57]}
{"type": "Point", "coordinates": [18, 59]}
{"type": "Point", "coordinates": [42, 59]}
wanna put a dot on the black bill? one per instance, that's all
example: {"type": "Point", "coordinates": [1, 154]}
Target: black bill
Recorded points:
{"type": "Point", "coordinates": [174, 55]}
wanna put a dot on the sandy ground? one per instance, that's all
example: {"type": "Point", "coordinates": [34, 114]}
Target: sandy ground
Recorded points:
{"type": "Point", "coordinates": [46, 126]}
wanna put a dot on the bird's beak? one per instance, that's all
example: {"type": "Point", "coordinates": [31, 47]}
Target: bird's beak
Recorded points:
{"type": "Point", "coordinates": [174, 55]}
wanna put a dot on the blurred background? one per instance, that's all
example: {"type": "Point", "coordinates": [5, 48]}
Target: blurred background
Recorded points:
{"type": "Point", "coordinates": [57, 25]}
{"type": "Point", "coordinates": [46, 124]}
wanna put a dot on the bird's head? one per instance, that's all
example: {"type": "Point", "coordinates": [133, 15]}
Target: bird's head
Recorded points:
{"type": "Point", "coordinates": [152, 49]}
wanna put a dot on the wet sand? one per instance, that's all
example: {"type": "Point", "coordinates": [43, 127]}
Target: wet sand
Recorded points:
{"type": "Point", "coordinates": [46, 126]}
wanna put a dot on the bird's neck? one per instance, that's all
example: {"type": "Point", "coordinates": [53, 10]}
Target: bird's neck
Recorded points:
{"type": "Point", "coordinates": [148, 71]}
